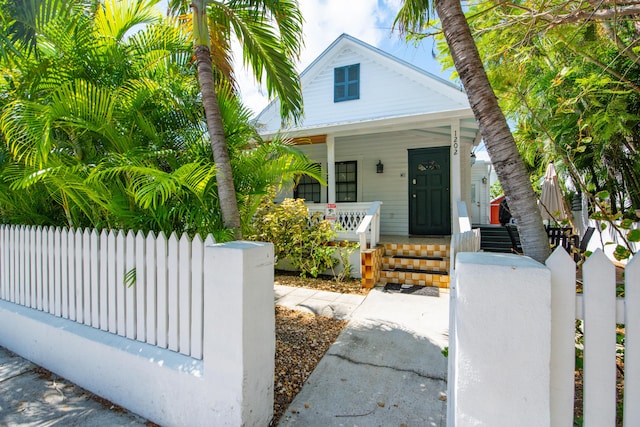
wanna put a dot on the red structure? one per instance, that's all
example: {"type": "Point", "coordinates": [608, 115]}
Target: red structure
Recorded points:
{"type": "Point", "coordinates": [495, 206]}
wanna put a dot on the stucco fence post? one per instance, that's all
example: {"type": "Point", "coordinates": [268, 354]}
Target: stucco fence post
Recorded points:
{"type": "Point", "coordinates": [499, 342]}
{"type": "Point", "coordinates": [239, 341]}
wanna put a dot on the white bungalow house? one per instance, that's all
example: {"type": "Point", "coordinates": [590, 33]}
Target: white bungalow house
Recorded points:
{"type": "Point", "coordinates": [394, 139]}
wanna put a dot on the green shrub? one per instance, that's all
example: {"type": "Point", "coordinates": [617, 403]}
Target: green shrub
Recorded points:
{"type": "Point", "coordinates": [301, 239]}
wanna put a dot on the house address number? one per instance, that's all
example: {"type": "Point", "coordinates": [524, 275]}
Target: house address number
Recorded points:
{"type": "Point", "coordinates": [455, 142]}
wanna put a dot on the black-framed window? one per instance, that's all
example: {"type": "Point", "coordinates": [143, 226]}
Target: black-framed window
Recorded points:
{"type": "Point", "coordinates": [308, 188]}
{"type": "Point", "coordinates": [347, 181]}
{"type": "Point", "coordinates": [346, 83]}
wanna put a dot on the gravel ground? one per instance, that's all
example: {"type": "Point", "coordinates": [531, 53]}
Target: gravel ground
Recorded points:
{"type": "Point", "coordinates": [322, 283]}
{"type": "Point", "coordinates": [302, 339]}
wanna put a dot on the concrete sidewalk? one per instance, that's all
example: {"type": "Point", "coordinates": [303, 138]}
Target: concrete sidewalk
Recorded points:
{"type": "Point", "coordinates": [31, 396]}
{"type": "Point", "coordinates": [386, 368]}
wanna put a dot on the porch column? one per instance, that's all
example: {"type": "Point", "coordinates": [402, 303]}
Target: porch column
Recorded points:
{"type": "Point", "coordinates": [331, 169]}
{"type": "Point", "coordinates": [456, 171]}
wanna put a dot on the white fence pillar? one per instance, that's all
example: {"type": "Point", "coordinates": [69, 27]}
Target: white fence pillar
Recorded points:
{"type": "Point", "coordinates": [239, 357]}
{"type": "Point", "coordinates": [500, 342]}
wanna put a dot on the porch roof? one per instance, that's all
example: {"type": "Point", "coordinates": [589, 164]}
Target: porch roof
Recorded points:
{"type": "Point", "coordinates": [438, 123]}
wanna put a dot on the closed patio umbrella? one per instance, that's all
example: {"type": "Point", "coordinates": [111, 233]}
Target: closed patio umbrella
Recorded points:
{"type": "Point", "coordinates": [551, 202]}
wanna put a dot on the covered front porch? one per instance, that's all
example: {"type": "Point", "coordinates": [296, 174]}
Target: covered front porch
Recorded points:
{"type": "Point", "coordinates": [399, 259]}
{"type": "Point", "coordinates": [417, 166]}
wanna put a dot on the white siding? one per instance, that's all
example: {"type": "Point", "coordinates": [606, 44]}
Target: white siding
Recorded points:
{"type": "Point", "coordinates": [392, 95]}
{"type": "Point", "coordinates": [384, 92]}
{"type": "Point", "coordinates": [388, 88]}
{"type": "Point", "coordinates": [390, 187]}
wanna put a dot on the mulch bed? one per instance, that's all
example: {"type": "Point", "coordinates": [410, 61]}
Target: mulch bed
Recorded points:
{"type": "Point", "coordinates": [301, 341]}
{"type": "Point", "coordinates": [321, 283]}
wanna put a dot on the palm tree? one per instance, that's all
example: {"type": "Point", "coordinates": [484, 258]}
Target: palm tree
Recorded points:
{"type": "Point", "coordinates": [103, 128]}
{"type": "Point", "coordinates": [270, 33]}
{"type": "Point", "coordinates": [495, 131]}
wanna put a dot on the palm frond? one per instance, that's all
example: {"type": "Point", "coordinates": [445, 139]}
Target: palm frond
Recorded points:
{"type": "Point", "coordinates": [114, 18]}
{"type": "Point", "coordinates": [262, 51]}
{"type": "Point", "coordinates": [413, 16]}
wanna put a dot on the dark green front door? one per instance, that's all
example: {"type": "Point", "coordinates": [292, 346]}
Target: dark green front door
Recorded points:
{"type": "Point", "coordinates": [429, 198]}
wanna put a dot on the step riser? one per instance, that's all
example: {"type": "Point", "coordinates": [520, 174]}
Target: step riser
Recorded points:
{"type": "Point", "coordinates": [389, 263]}
{"type": "Point", "coordinates": [422, 279]}
{"type": "Point", "coordinates": [392, 249]}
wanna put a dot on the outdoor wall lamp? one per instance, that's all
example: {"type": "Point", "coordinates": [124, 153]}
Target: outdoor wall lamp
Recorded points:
{"type": "Point", "coordinates": [379, 167]}
{"type": "Point", "coordinates": [484, 179]}
{"type": "Point", "coordinates": [473, 158]}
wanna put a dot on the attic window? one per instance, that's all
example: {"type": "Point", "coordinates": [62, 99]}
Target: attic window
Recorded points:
{"type": "Point", "coordinates": [346, 83]}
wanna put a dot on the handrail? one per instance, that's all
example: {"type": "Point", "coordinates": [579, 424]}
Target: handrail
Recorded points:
{"type": "Point", "coordinates": [371, 222]}
{"type": "Point", "coordinates": [469, 241]}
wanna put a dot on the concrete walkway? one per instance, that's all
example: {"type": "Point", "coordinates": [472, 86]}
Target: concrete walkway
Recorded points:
{"type": "Point", "coordinates": [329, 304]}
{"type": "Point", "coordinates": [30, 396]}
{"type": "Point", "coordinates": [386, 368]}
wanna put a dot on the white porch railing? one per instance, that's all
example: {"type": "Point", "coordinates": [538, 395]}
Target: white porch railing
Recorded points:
{"type": "Point", "coordinates": [469, 241]}
{"type": "Point", "coordinates": [356, 221]}
{"type": "Point", "coordinates": [370, 226]}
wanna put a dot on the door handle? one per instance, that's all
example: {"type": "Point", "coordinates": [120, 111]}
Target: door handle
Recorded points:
{"type": "Point", "coordinates": [414, 196]}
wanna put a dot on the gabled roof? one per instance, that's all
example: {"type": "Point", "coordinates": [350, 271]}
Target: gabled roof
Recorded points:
{"type": "Point", "coordinates": [391, 90]}
{"type": "Point", "coordinates": [345, 36]}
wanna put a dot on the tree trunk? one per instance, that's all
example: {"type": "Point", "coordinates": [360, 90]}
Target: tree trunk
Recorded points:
{"type": "Point", "coordinates": [224, 175]}
{"type": "Point", "coordinates": [495, 131]}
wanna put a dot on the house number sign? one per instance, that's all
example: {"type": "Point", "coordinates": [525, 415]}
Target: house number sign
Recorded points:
{"type": "Point", "coordinates": [455, 142]}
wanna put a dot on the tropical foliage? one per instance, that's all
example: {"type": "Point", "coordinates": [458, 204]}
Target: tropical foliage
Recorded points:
{"type": "Point", "coordinates": [102, 123]}
{"type": "Point", "coordinates": [566, 73]}
{"type": "Point", "coordinates": [305, 241]}
{"type": "Point", "coordinates": [270, 33]}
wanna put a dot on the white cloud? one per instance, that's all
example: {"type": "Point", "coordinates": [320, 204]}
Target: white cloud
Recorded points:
{"type": "Point", "coordinates": [325, 20]}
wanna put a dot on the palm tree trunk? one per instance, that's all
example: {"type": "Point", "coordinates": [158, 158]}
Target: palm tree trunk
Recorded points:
{"type": "Point", "coordinates": [495, 131]}
{"type": "Point", "coordinates": [224, 175]}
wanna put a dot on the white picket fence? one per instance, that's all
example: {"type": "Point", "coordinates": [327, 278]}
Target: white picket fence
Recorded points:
{"type": "Point", "coordinates": [191, 342]}
{"type": "Point", "coordinates": [504, 369]}
{"type": "Point", "coordinates": [600, 310]}
{"type": "Point", "coordinates": [80, 275]}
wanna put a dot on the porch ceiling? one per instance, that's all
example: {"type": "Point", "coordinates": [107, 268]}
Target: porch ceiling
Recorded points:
{"type": "Point", "coordinates": [432, 123]}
